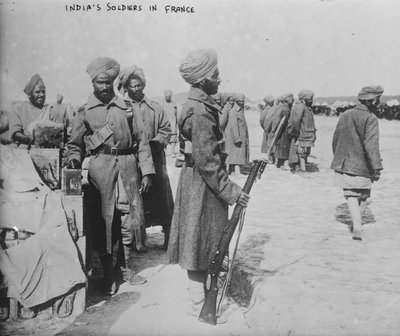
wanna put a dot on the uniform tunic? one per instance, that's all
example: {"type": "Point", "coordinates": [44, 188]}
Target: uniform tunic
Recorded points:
{"type": "Point", "coordinates": [158, 201]}
{"type": "Point", "coordinates": [355, 143]}
{"type": "Point", "coordinates": [302, 130]}
{"type": "Point", "coordinates": [23, 114]}
{"type": "Point", "coordinates": [237, 131]}
{"type": "Point", "coordinates": [104, 168]}
{"type": "Point", "coordinates": [204, 190]}
{"type": "Point", "coordinates": [171, 111]}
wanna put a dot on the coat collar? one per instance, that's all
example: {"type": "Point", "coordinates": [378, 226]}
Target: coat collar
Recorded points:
{"type": "Point", "coordinates": [93, 102]}
{"type": "Point", "coordinates": [202, 97]}
{"type": "Point", "coordinates": [145, 100]}
{"type": "Point", "coordinates": [362, 107]}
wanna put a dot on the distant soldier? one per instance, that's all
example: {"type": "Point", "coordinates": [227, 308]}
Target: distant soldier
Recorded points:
{"type": "Point", "coordinates": [264, 113]}
{"type": "Point", "coordinates": [237, 136]}
{"type": "Point", "coordinates": [301, 130]}
{"type": "Point", "coordinates": [227, 101]}
{"type": "Point", "coordinates": [356, 156]}
{"type": "Point", "coordinates": [171, 110]}
{"type": "Point", "coordinates": [283, 144]}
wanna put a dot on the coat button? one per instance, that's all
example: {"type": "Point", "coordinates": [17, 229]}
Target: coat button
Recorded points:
{"type": "Point", "coordinates": [116, 160]}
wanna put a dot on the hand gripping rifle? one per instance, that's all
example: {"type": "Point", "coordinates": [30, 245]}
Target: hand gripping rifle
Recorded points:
{"type": "Point", "coordinates": [209, 309]}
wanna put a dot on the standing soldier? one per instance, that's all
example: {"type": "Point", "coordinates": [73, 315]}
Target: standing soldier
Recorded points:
{"type": "Point", "coordinates": [237, 136]}
{"type": "Point", "coordinates": [171, 110]}
{"type": "Point", "coordinates": [158, 201]}
{"type": "Point", "coordinates": [301, 130]}
{"type": "Point", "coordinates": [283, 144]}
{"type": "Point", "coordinates": [204, 189]}
{"type": "Point", "coordinates": [104, 128]}
{"type": "Point", "coordinates": [228, 102]}
{"type": "Point", "coordinates": [269, 102]}
{"type": "Point", "coordinates": [356, 157]}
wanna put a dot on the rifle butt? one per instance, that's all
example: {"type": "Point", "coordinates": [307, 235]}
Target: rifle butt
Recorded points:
{"type": "Point", "coordinates": [208, 311]}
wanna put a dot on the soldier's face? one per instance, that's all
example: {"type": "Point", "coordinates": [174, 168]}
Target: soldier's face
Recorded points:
{"type": "Point", "coordinates": [240, 103]}
{"type": "Point", "coordinates": [135, 89]}
{"type": "Point", "coordinates": [38, 95]}
{"type": "Point", "coordinates": [103, 87]}
{"type": "Point", "coordinates": [211, 84]}
{"type": "Point", "coordinates": [308, 102]}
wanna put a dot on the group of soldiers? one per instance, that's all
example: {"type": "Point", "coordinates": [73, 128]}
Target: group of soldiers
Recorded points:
{"type": "Point", "coordinates": [125, 134]}
{"type": "Point", "coordinates": [298, 133]}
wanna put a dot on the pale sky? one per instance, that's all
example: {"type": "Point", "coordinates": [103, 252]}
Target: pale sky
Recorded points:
{"type": "Point", "coordinates": [333, 47]}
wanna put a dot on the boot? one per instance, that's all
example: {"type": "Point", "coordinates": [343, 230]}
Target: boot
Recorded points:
{"type": "Point", "coordinates": [110, 285]}
{"type": "Point", "coordinates": [128, 274]}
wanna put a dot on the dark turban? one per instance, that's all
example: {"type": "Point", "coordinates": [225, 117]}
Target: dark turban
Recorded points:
{"type": "Point", "coordinates": [306, 94]}
{"type": "Point", "coordinates": [103, 64]}
{"type": "Point", "coordinates": [132, 70]}
{"type": "Point", "coordinates": [370, 92]}
{"type": "Point", "coordinates": [285, 97]}
{"type": "Point", "coordinates": [198, 65]}
{"type": "Point", "coordinates": [35, 80]}
{"type": "Point", "coordinates": [268, 99]}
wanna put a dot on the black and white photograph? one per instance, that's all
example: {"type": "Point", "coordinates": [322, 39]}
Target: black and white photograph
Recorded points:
{"type": "Point", "coordinates": [199, 167]}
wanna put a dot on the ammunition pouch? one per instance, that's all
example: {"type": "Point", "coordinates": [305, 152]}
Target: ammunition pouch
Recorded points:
{"type": "Point", "coordinates": [94, 141]}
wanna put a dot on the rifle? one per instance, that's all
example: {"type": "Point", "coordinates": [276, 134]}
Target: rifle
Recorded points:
{"type": "Point", "coordinates": [208, 311]}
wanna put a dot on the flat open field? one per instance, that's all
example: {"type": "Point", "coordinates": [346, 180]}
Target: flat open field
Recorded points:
{"type": "Point", "coordinates": [307, 274]}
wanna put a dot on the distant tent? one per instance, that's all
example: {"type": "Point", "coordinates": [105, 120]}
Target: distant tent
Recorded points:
{"type": "Point", "coordinates": [393, 102]}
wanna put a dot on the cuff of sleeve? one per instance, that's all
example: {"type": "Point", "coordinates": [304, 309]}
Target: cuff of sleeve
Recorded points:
{"type": "Point", "coordinates": [231, 193]}
{"type": "Point", "coordinates": [147, 169]}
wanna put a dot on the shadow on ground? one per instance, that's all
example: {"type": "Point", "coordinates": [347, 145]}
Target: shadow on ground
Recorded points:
{"type": "Point", "coordinates": [342, 215]}
{"type": "Point", "coordinates": [108, 313]}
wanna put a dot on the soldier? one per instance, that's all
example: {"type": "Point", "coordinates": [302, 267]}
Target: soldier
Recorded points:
{"type": "Point", "coordinates": [356, 156]}
{"type": "Point", "coordinates": [158, 201]}
{"type": "Point", "coordinates": [204, 189]}
{"type": "Point", "coordinates": [25, 115]}
{"type": "Point", "coordinates": [301, 130]}
{"type": "Point", "coordinates": [269, 102]}
{"type": "Point", "coordinates": [105, 129]}
{"type": "Point", "coordinates": [171, 110]}
{"type": "Point", "coordinates": [283, 144]}
{"type": "Point", "coordinates": [237, 136]}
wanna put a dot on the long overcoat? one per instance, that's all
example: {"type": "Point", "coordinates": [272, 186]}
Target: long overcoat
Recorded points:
{"type": "Point", "coordinates": [355, 143]}
{"type": "Point", "coordinates": [237, 131]}
{"type": "Point", "coordinates": [104, 169]}
{"type": "Point", "coordinates": [158, 201]}
{"type": "Point", "coordinates": [283, 144]}
{"type": "Point", "coordinates": [204, 189]}
{"type": "Point", "coordinates": [263, 116]}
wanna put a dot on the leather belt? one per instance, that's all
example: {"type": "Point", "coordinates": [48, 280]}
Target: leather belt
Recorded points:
{"type": "Point", "coordinates": [114, 151]}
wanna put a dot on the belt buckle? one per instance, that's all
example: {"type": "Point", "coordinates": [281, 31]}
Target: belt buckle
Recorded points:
{"type": "Point", "coordinates": [114, 151]}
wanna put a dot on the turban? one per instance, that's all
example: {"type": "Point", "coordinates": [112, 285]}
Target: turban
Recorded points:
{"type": "Point", "coordinates": [370, 92]}
{"type": "Point", "coordinates": [199, 64]}
{"type": "Point", "coordinates": [168, 93]}
{"type": "Point", "coordinates": [132, 70]}
{"type": "Point", "coordinates": [103, 64]}
{"type": "Point", "coordinates": [239, 97]}
{"type": "Point", "coordinates": [268, 99]}
{"type": "Point", "coordinates": [306, 94]}
{"type": "Point", "coordinates": [285, 97]}
{"type": "Point", "coordinates": [35, 80]}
